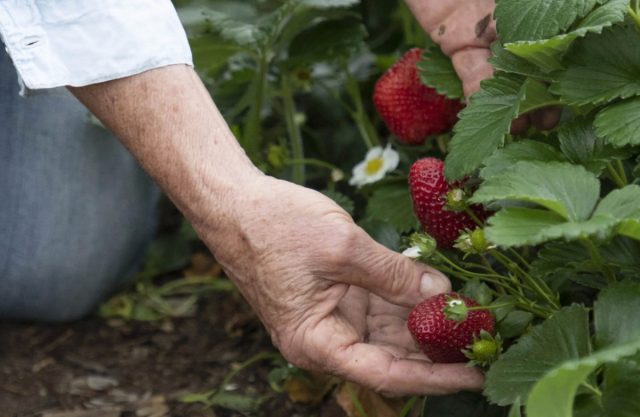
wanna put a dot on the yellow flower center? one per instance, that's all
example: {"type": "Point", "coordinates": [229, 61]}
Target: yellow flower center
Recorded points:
{"type": "Point", "coordinates": [373, 166]}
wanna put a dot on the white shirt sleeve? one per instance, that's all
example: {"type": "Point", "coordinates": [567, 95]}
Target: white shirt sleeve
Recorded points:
{"type": "Point", "coordinates": [56, 43]}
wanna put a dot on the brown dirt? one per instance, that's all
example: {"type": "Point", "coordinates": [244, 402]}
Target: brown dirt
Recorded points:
{"type": "Point", "coordinates": [111, 368]}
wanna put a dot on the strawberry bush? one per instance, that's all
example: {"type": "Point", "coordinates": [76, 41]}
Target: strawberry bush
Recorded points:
{"type": "Point", "coordinates": [540, 229]}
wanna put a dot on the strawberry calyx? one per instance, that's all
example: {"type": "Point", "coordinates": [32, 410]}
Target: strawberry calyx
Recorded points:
{"type": "Point", "coordinates": [473, 242]}
{"type": "Point", "coordinates": [456, 309]}
{"type": "Point", "coordinates": [484, 350]}
{"type": "Point", "coordinates": [425, 244]}
{"type": "Point", "coordinates": [456, 200]}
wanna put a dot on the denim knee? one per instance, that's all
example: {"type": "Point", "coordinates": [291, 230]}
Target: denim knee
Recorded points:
{"type": "Point", "coordinates": [76, 212]}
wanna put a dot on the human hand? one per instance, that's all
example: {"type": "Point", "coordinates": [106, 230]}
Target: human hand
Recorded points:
{"type": "Point", "coordinates": [308, 271]}
{"type": "Point", "coordinates": [333, 299]}
{"type": "Point", "coordinates": [464, 30]}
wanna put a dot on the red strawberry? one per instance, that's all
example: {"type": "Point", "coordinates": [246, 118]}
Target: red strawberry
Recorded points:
{"type": "Point", "coordinates": [411, 110]}
{"type": "Point", "coordinates": [429, 190]}
{"type": "Point", "coordinates": [441, 338]}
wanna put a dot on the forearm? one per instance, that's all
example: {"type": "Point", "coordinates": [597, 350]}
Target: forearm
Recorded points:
{"type": "Point", "coordinates": [166, 118]}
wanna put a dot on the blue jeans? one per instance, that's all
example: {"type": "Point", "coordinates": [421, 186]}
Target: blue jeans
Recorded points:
{"type": "Point", "coordinates": [76, 211]}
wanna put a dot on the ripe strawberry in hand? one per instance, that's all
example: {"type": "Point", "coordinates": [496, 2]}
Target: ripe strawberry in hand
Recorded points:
{"type": "Point", "coordinates": [429, 192]}
{"type": "Point", "coordinates": [443, 326]}
{"type": "Point", "coordinates": [411, 110]}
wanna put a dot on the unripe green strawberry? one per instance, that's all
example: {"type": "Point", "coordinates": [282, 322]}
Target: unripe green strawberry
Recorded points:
{"type": "Point", "coordinates": [442, 338]}
{"type": "Point", "coordinates": [411, 110]}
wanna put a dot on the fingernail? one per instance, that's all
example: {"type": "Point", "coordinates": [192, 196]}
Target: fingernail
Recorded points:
{"type": "Point", "coordinates": [433, 283]}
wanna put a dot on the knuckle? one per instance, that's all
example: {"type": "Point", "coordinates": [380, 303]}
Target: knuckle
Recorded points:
{"type": "Point", "coordinates": [339, 252]}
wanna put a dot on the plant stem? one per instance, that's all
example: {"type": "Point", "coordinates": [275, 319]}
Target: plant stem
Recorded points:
{"type": "Point", "coordinates": [634, 13]}
{"type": "Point", "coordinates": [593, 389]}
{"type": "Point", "coordinates": [295, 138]}
{"type": "Point", "coordinates": [519, 257]}
{"type": "Point", "coordinates": [538, 285]}
{"type": "Point", "coordinates": [251, 139]}
{"type": "Point", "coordinates": [408, 406]}
{"type": "Point", "coordinates": [473, 216]}
{"type": "Point", "coordinates": [313, 162]}
{"type": "Point", "coordinates": [615, 176]}
{"type": "Point", "coordinates": [359, 114]}
{"type": "Point", "coordinates": [491, 307]}
{"type": "Point", "coordinates": [621, 171]}
{"type": "Point", "coordinates": [599, 260]}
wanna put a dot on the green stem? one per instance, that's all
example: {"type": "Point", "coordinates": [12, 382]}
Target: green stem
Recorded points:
{"type": "Point", "coordinates": [313, 162]}
{"type": "Point", "coordinates": [519, 257]}
{"type": "Point", "coordinates": [359, 114]}
{"type": "Point", "coordinates": [615, 176]}
{"type": "Point", "coordinates": [539, 286]}
{"type": "Point", "coordinates": [491, 307]}
{"type": "Point", "coordinates": [593, 389]}
{"type": "Point", "coordinates": [295, 137]}
{"type": "Point", "coordinates": [408, 406]}
{"type": "Point", "coordinates": [473, 216]}
{"type": "Point", "coordinates": [491, 278]}
{"type": "Point", "coordinates": [634, 13]}
{"type": "Point", "coordinates": [522, 304]}
{"type": "Point", "coordinates": [599, 260]}
{"type": "Point", "coordinates": [355, 401]}
{"type": "Point", "coordinates": [621, 171]}
{"type": "Point", "coordinates": [251, 140]}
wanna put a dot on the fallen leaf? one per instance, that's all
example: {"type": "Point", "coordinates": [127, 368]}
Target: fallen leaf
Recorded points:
{"type": "Point", "coordinates": [351, 396]}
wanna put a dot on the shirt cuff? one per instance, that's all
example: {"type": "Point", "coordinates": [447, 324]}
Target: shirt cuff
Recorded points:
{"type": "Point", "coordinates": [81, 42]}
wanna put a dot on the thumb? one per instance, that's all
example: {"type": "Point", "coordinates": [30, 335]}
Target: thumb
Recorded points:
{"type": "Point", "coordinates": [393, 276]}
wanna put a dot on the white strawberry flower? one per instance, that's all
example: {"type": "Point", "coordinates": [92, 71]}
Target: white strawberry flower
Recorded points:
{"type": "Point", "coordinates": [375, 166]}
{"type": "Point", "coordinates": [413, 252]}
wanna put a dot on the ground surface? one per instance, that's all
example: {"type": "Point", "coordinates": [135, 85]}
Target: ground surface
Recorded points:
{"type": "Point", "coordinates": [113, 368]}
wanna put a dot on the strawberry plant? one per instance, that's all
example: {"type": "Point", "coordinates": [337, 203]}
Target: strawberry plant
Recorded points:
{"type": "Point", "coordinates": [542, 230]}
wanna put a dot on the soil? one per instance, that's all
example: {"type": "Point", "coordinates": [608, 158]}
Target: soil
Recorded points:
{"type": "Point", "coordinates": [112, 368]}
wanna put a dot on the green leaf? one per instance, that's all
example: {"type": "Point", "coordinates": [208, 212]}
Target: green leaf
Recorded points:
{"type": "Point", "coordinates": [565, 336]}
{"type": "Point", "coordinates": [342, 200]}
{"type": "Point", "coordinates": [514, 324]}
{"type": "Point", "coordinates": [382, 232]}
{"type": "Point", "coordinates": [392, 204]}
{"type": "Point", "coordinates": [621, 387]}
{"type": "Point", "coordinates": [322, 4]}
{"type": "Point", "coordinates": [483, 124]}
{"type": "Point", "coordinates": [568, 190]}
{"type": "Point", "coordinates": [622, 206]}
{"type": "Point", "coordinates": [211, 52]}
{"type": "Point", "coordinates": [327, 41]}
{"type": "Point", "coordinates": [436, 71]}
{"type": "Point", "coordinates": [536, 96]}
{"type": "Point", "coordinates": [570, 260]}
{"type": "Point", "coordinates": [519, 226]}
{"type": "Point", "coordinates": [601, 68]}
{"type": "Point", "coordinates": [553, 395]}
{"type": "Point", "coordinates": [546, 53]}
{"type": "Point", "coordinates": [505, 61]}
{"type": "Point", "coordinates": [240, 32]}
{"type": "Point", "coordinates": [619, 124]}
{"type": "Point", "coordinates": [515, 410]}
{"type": "Point", "coordinates": [524, 150]}
{"type": "Point", "coordinates": [530, 20]}
{"type": "Point", "coordinates": [623, 253]}
{"type": "Point", "coordinates": [462, 404]}
{"type": "Point", "coordinates": [615, 315]}
{"type": "Point", "coordinates": [581, 145]}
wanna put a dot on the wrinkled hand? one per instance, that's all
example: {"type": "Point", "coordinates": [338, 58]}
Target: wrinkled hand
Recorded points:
{"type": "Point", "coordinates": [465, 30]}
{"type": "Point", "coordinates": [332, 298]}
